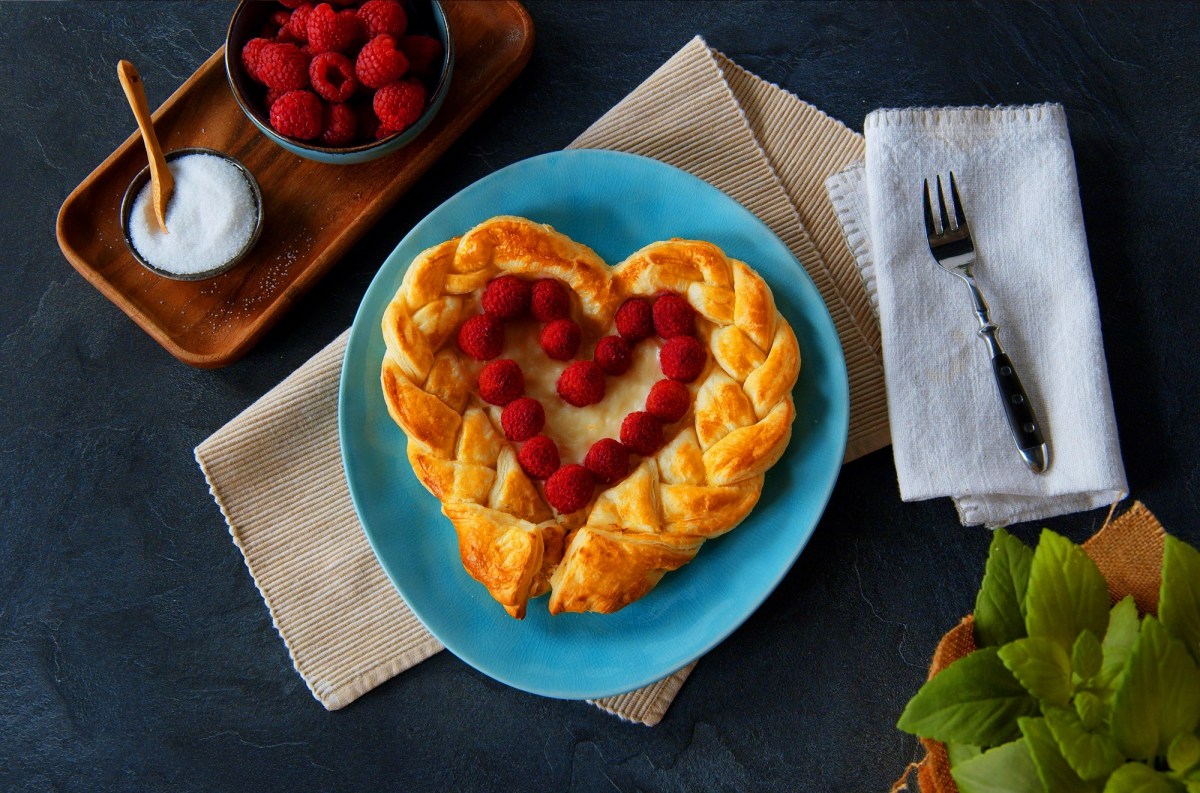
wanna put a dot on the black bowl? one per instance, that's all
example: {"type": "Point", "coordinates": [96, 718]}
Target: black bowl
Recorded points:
{"type": "Point", "coordinates": [426, 17]}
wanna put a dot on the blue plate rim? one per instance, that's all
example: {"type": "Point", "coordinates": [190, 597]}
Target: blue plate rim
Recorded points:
{"type": "Point", "coordinates": [358, 336]}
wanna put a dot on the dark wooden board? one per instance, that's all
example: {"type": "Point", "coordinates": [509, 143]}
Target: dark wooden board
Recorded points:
{"type": "Point", "coordinates": [313, 212]}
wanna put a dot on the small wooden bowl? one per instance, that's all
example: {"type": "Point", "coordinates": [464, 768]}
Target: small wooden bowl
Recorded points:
{"type": "Point", "coordinates": [427, 17]}
{"type": "Point", "coordinates": [139, 181]}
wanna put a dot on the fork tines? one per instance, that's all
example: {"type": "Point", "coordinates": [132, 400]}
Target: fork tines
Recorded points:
{"type": "Point", "coordinates": [932, 228]}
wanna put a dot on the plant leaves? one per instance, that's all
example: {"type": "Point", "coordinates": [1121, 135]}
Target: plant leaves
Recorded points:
{"type": "Point", "coordinates": [1157, 695]}
{"type": "Point", "coordinates": [1004, 769]}
{"type": "Point", "coordinates": [1086, 655]}
{"type": "Point", "coordinates": [1052, 768]}
{"type": "Point", "coordinates": [962, 752]}
{"type": "Point", "coordinates": [975, 700]}
{"type": "Point", "coordinates": [1041, 666]}
{"type": "Point", "coordinates": [1091, 710]}
{"type": "Point", "coordinates": [1179, 596]}
{"type": "Point", "coordinates": [1138, 778]}
{"type": "Point", "coordinates": [1184, 752]}
{"type": "Point", "coordinates": [1066, 592]}
{"type": "Point", "coordinates": [999, 606]}
{"type": "Point", "coordinates": [1118, 640]}
{"type": "Point", "coordinates": [1092, 755]}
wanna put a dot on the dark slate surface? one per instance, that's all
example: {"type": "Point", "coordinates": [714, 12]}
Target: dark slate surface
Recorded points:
{"type": "Point", "coordinates": [136, 653]}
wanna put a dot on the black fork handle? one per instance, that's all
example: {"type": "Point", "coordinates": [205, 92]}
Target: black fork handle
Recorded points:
{"type": "Point", "coordinates": [1022, 421]}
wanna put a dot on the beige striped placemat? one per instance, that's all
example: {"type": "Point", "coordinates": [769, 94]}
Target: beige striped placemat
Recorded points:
{"type": "Point", "coordinates": [276, 470]}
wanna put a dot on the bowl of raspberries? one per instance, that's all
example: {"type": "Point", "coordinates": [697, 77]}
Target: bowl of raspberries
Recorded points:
{"type": "Point", "coordinates": [339, 82]}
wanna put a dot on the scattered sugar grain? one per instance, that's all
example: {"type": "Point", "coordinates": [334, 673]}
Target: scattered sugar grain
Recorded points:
{"type": "Point", "coordinates": [210, 217]}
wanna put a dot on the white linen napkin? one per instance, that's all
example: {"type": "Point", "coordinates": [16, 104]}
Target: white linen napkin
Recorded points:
{"type": "Point", "coordinates": [1016, 173]}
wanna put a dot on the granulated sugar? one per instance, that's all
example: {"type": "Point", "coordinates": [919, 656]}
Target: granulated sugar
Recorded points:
{"type": "Point", "coordinates": [210, 217]}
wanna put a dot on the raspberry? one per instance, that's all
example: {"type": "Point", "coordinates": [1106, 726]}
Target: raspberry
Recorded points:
{"type": "Point", "coordinates": [613, 355]}
{"type": "Point", "coordinates": [560, 339]}
{"type": "Point", "coordinates": [506, 297]}
{"type": "Point", "coordinates": [399, 105]}
{"type": "Point", "coordinates": [608, 461]}
{"type": "Point", "coordinates": [481, 337]}
{"type": "Point", "coordinates": [581, 384]}
{"type": "Point", "coordinates": [539, 457]}
{"type": "Point", "coordinates": [332, 76]}
{"type": "Point", "coordinates": [641, 433]}
{"type": "Point", "coordinates": [501, 382]}
{"type": "Point", "coordinates": [383, 16]}
{"type": "Point", "coordinates": [273, 95]}
{"type": "Point", "coordinates": [383, 132]}
{"type": "Point", "coordinates": [333, 31]}
{"type": "Point", "coordinates": [423, 53]}
{"type": "Point", "coordinates": [283, 66]}
{"type": "Point", "coordinates": [297, 24]}
{"type": "Point", "coordinates": [339, 123]}
{"type": "Point", "coordinates": [668, 401]}
{"type": "Point", "coordinates": [380, 62]}
{"type": "Point", "coordinates": [635, 319]}
{"type": "Point", "coordinates": [522, 419]}
{"type": "Point", "coordinates": [250, 57]}
{"type": "Point", "coordinates": [570, 488]}
{"type": "Point", "coordinates": [674, 316]}
{"type": "Point", "coordinates": [550, 300]}
{"type": "Point", "coordinates": [281, 18]}
{"type": "Point", "coordinates": [682, 358]}
{"type": "Point", "coordinates": [297, 114]}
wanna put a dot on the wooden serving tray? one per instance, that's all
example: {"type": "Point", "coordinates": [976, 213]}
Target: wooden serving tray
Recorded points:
{"type": "Point", "coordinates": [312, 211]}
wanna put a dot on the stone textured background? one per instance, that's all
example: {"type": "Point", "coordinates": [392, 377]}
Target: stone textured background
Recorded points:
{"type": "Point", "coordinates": [135, 653]}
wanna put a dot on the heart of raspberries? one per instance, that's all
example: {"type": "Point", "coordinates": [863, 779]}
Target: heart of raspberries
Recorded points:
{"type": "Point", "coordinates": [367, 70]}
{"type": "Point", "coordinates": [569, 486]}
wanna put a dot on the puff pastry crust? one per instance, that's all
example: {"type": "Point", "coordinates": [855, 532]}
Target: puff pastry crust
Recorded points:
{"type": "Point", "coordinates": [701, 484]}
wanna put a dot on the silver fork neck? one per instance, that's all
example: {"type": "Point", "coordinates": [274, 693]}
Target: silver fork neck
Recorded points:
{"type": "Point", "coordinates": [987, 329]}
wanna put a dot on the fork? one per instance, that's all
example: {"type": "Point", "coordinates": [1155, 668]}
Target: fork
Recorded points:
{"type": "Point", "coordinates": [951, 245]}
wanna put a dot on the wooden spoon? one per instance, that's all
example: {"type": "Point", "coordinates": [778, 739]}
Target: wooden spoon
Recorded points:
{"type": "Point", "coordinates": [162, 183]}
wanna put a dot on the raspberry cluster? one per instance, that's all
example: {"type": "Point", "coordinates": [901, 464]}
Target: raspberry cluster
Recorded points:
{"type": "Point", "coordinates": [682, 358]}
{"type": "Point", "coordinates": [342, 76]}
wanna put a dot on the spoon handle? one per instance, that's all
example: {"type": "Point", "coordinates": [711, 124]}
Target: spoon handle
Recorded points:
{"type": "Point", "coordinates": [162, 183]}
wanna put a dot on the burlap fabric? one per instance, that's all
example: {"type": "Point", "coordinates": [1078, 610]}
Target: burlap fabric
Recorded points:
{"type": "Point", "coordinates": [1129, 553]}
{"type": "Point", "coordinates": [276, 470]}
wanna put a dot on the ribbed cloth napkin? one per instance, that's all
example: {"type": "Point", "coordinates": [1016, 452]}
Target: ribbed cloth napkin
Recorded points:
{"type": "Point", "coordinates": [1016, 173]}
{"type": "Point", "coordinates": [276, 469]}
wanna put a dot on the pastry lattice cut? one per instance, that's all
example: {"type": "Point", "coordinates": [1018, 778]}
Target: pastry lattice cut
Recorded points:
{"type": "Point", "coordinates": [705, 479]}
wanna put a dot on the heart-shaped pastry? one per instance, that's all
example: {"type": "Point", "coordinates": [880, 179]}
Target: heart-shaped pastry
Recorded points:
{"type": "Point", "coordinates": [563, 457]}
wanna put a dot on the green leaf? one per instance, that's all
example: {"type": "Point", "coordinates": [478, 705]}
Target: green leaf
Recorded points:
{"type": "Point", "coordinates": [1005, 769]}
{"type": "Point", "coordinates": [1157, 695]}
{"type": "Point", "coordinates": [974, 700]}
{"type": "Point", "coordinates": [1193, 787]}
{"type": "Point", "coordinates": [1086, 655]}
{"type": "Point", "coordinates": [1066, 592]}
{"type": "Point", "coordinates": [1041, 666]}
{"type": "Point", "coordinates": [1118, 640]}
{"type": "Point", "coordinates": [1138, 778]}
{"type": "Point", "coordinates": [1179, 597]}
{"type": "Point", "coordinates": [1052, 768]}
{"type": "Point", "coordinates": [962, 752]}
{"type": "Point", "coordinates": [1091, 755]}
{"type": "Point", "coordinates": [999, 606]}
{"type": "Point", "coordinates": [1184, 752]}
{"type": "Point", "coordinates": [1091, 710]}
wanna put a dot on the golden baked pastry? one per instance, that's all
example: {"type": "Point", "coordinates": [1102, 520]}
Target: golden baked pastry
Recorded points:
{"type": "Point", "coordinates": [701, 482]}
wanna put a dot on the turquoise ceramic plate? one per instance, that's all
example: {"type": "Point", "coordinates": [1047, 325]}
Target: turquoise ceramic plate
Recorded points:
{"type": "Point", "coordinates": [615, 203]}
